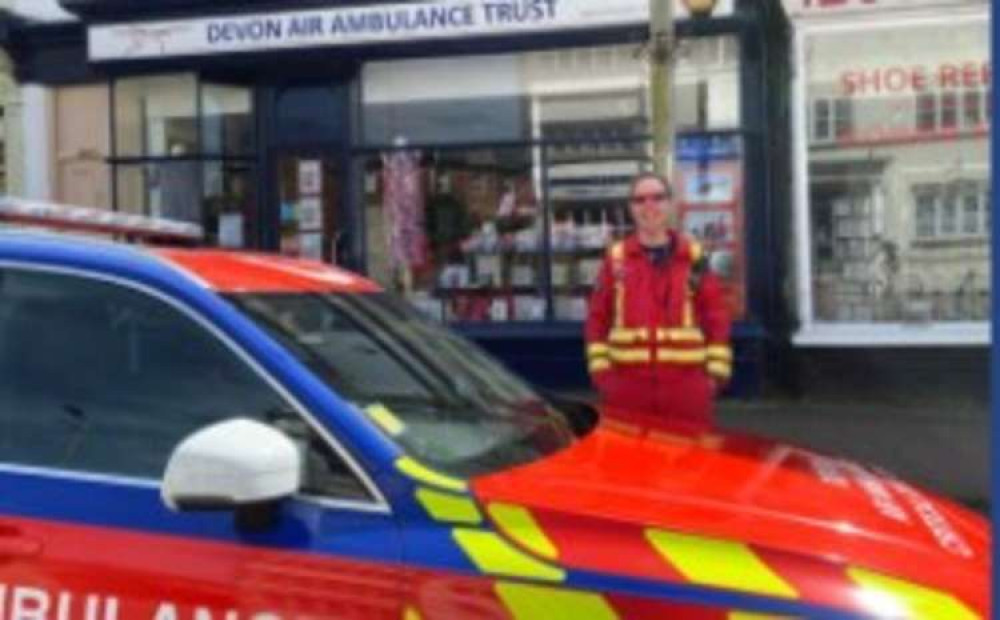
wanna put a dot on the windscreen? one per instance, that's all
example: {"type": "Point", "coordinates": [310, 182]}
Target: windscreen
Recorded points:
{"type": "Point", "coordinates": [451, 405]}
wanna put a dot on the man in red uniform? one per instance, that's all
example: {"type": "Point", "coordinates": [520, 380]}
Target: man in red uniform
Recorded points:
{"type": "Point", "coordinates": [658, 328]}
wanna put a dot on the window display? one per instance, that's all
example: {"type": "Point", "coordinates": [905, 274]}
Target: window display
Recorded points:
{"type": "Point", "coordinates": [457, 231]}
{"type": "Point", "coordinates": [515, 226]}
{"type": "Point", "coordinates": [898, 172]}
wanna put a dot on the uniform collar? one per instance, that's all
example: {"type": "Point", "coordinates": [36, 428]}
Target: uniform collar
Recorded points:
{"type": "Point", "coordinates": [679, 242]}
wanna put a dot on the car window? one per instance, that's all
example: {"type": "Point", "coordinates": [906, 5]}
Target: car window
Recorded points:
{"type": "Point", "coordinates": [97, 377]}
{"type": "Point", "coordinates": [448, 404]}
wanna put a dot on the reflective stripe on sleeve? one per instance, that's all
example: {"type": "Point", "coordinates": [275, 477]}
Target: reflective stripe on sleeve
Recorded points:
{"type": "Point", "coordinates": [720, 352]}
{"type": "Point", "coordinates": [599, 365]}
{"type": "Point", "coordinates": [722, 370]}
{"type": "Point", "coordinates": [598, 349]}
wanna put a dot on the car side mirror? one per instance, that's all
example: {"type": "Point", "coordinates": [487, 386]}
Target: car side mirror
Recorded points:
{"type": "Point", "coordinates": [230, 465]}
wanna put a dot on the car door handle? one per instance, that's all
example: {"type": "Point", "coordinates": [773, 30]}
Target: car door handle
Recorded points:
{"type": "Point", "coordinates": [14, 544]}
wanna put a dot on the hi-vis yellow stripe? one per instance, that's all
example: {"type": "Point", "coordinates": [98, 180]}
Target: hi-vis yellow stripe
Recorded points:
{"type": "Point", "coordinates": [386, 419]}
{"type": "Point", "coordinates": [526, 602]}
{"type": "Point", "coordinates": [448, 507]}
{"type": "Point", "coordinates": [492, 554]}
{"type": "Point", "coordinates": [598, 349]}
{"type": "Point", "coordinates": [719, 563]}
{"type": "Point", "coordinates": [411, 613]}
{"type": "Point", "coordinates": [422, 473]}
{"type": "Point", "coordinates": [908, 600]}
{"type": "Point", "coordinates": [518, 523]}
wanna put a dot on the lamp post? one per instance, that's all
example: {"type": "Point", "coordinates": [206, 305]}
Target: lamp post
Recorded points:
{"type": "Point", "coordinates": [661, 42]}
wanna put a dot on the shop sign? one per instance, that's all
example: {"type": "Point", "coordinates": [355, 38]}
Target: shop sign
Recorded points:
{"type": "Point", "coordinates": [830, 7]}
{"type": "Point", "coordinates": [391, 23]}
{"type": "Point", "coordinates": [908, 79]}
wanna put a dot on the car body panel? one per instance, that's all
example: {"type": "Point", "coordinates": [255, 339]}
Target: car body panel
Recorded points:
{"type": "Point", "coordinates": [616, 526]}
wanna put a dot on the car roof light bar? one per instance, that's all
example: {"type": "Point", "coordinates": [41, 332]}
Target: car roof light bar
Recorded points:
{"type": "Point", "coordinates": [124, 226]}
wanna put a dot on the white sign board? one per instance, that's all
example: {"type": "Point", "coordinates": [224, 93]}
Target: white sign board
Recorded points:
{"type": "Point", "coordinates": [388, 23]}
{"type": "Point", "coordinates": [808, 8]}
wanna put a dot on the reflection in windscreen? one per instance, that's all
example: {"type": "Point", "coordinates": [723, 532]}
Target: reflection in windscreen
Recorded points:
{"type": "Point", "coordinates": [461, 411]}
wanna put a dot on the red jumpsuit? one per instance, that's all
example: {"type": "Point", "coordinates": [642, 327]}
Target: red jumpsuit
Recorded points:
{"type": "Point", "coordinates": [654, 344]}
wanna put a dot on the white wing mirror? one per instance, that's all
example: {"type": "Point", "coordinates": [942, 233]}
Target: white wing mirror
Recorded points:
{"type": "Point", "coordinates": [232, 464]}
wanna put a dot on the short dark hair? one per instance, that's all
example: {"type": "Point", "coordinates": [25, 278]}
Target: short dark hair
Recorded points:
{"type": "Point", "coordinates": [644, 176]}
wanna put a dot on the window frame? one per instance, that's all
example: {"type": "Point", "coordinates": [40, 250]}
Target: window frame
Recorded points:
{"type": "Point", "coordinates": [959, 192]}
{"type": "Point", "coordinates": [377, 504]}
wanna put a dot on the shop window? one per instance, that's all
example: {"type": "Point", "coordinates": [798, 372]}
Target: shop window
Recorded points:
{"type": "Point", "coordinates": [170, 162]}
{"type": "Point", "coordinates": [897, 207]}
{"type": "Point", "coordinates": [227, 119]}
{"type": "Point", "coordinates": [459, 232]}
{"type": "Point", "coordinates": [156, 116]}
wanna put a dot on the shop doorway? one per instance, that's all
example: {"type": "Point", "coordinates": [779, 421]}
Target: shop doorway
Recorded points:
{"type": "Point", "coordinates": [312, 222]}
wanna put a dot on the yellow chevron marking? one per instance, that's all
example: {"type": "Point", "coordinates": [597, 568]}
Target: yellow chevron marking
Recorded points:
{"type": "Point", "coordinates": [492, 554]}
{"type": "Point", "coordinates": [385, 418]}
{"type": "Point", "coordinates": [448, 507]}
{"type": "Point", "coordinates": [526, 602]}
{"type": "Point", "coordinates": [422, 473]}
{"type": "Point", "coordinates": [518, 523]}
{"type": "Point", "coordinates": [411, 613]}
{"type": "Point", "coordinates": [908, 599]}
{"type": "Point", "coordinates": [719, 563]}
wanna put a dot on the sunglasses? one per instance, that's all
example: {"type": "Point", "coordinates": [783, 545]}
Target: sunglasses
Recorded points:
{"type": "Point", "coordinates": [658, 197]}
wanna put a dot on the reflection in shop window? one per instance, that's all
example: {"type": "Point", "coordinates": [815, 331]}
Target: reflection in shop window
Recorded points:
{"type": "Point", "coordinates": [899, 213]}
{"type": "Point", "coordinates": [843, 118]}
{"type": "Point", "coordinates": [156, 116]}
{"type": "Point", "coordinates": [926, 213]}
{"type": "Point", "coordinates": [941, 206]}
{"type": "Point", "coordinates": [927, 112]}
{"type": "Point", "coordinates": [949, 110]}
{"type": "Point", "coordinates": [973, 108]}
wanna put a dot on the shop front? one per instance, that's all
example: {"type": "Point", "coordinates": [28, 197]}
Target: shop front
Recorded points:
{"type": "Point", "coordinates": [893, 183]}
{"type": "Point", "coordinates": [472, 156]}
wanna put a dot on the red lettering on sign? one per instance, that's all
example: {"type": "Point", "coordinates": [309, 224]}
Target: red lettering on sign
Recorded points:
{"type": "Point", "coordinates": [948, 76]}
{"type": "Point", "coordinates": [969, 75]}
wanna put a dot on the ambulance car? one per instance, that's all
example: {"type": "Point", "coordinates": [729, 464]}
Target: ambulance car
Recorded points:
{"type": "Point", "coordinates": [197, 434]}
